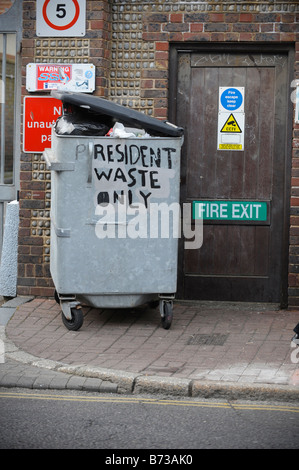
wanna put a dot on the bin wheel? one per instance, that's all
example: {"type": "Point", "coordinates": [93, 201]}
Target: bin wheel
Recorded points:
{"type": "Point", "coordinates": [77, 319]}
{"type": "Point", "coordinates": [56, 296]}
{"type": "Point", "coordinates": [167, 314]}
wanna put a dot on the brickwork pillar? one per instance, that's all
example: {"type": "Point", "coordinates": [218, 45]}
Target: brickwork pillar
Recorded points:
{"type": "Point", "coordinates": [35, 181]}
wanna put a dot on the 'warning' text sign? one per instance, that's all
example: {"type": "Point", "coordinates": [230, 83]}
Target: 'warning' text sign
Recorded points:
{"type": "Point", "coordinates": [40, 113]}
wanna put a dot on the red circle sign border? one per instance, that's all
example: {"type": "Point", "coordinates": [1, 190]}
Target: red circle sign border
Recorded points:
{"type": "Point", "coordinates": [67, 26]}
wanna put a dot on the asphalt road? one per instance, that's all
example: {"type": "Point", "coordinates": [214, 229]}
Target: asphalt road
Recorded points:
{"type": "Point", "coordinates": [73, 420]}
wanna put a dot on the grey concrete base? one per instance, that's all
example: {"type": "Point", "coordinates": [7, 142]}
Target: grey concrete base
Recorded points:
{"type": "Point", "coordinates": [9, 257]}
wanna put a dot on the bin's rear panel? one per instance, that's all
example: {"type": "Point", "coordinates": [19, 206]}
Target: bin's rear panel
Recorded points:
{"type": "Point", "coordinates": [103, 249]}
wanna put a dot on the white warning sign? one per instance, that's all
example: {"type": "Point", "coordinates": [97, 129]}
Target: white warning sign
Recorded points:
{"type": "Point", "coordinates": [60, 18]}
{"type": "Point", "coordinates": [231, 119]}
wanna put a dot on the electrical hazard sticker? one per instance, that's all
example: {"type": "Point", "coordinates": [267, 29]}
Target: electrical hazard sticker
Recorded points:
{"type": "Point", "coordinates": [231, 125]}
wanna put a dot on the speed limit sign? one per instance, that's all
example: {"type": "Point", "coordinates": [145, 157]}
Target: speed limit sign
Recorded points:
{"type": "Point", "coordinates": [60, 18]}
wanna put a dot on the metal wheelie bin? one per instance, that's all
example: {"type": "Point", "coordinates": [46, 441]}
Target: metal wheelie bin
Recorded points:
{"type": "Point", "coordinates": [115, 176]}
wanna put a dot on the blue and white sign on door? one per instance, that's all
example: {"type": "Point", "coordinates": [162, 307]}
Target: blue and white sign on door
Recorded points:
{"type": "Point", "coordinates": [231, 99]}
{"type": "Point", "coordinates": [231, 118]}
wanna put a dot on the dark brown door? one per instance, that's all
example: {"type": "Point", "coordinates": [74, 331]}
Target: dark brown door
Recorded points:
{"type": "Point", "coordinates": [240, 260]}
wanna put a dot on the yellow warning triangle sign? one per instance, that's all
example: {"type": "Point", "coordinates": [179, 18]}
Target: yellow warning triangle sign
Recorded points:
{"type": "Point", "coordinates": [231, 125]}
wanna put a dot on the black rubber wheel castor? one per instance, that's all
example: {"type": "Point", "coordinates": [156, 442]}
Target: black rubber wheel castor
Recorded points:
{"type": "Point", "coordinates": [56, 297]}
{"type": "Point", "coordinates": [77, 319]}
{"type": "Point", "coordinates": [167, 315]}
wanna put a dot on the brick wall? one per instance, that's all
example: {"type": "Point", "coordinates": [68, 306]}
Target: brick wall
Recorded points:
{"type": "Point", "coordinates": [5, 5]}
{"type": "Point", "coordinates": [128, 41]}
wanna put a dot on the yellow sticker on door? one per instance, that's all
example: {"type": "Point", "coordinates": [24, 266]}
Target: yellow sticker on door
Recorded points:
{"type": "Point", "coordinates": [230, 131]}
{"type": "Point", "coordinates": [231, 125]}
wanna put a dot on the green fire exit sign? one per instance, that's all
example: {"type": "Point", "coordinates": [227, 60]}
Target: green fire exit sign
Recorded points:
{"type": "Point", "coordinates": [230, 210]}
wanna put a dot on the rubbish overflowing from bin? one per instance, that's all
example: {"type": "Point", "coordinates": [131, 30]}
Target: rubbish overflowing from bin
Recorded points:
{"type": "Point", "coordinates": [114, 187]}
{"type": "Point", "coordinates": [73, 124]}
{"type": "Point", "coordinates": [122, 132]}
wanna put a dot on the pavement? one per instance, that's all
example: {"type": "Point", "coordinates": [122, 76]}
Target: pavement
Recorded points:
{"type": "Point", "coordinates": [213, 349]}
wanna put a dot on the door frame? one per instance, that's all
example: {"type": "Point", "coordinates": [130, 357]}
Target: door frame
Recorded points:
{"type": "Point", "coordinates": [275, 48]}
{"type": "Point", "coordinates": [11, 22]}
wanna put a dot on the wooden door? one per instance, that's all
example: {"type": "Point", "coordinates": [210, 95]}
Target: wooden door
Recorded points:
{"type": "Point", "coordinates": [240, 260]}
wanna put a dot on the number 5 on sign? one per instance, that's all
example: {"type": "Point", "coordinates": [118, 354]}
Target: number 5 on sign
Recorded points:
{"type": "Point", "coordinates": [60, 18]}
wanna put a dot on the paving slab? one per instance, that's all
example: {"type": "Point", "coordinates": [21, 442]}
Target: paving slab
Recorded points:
{"type": "Point", "coordinates": [211, 347]}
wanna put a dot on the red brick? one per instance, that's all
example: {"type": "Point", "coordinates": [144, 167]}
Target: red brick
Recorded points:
{"type": "Point", "coordinates": [267, 37]}
{"type": "Point", "coordinates": [160, 113]}
{"type": "Point", "coordinates": [25, 250]}
{"type": "Point", "coordinates": [288, 18]}
{"type": "Point", "coordinates": [154, 36]}
{"type": "Point", "coordinates": [289, 37]}
{"type": "Point", "coordinates": [176, 37]}
{"type": "Point", "coordinates": [97, 24]}
{"type": "Point", "coordinates": [217, 28]}
{"type": "Point", "coordinates": [38, 194]}
{"type": "Point", "coordinates": [246, 17]}
{"type": "Point", "coordinates": [176, 27]}
{"type": "Point", "coordinates": [196, 27]}
{"type": "Point", "coordinates": [218, 37]}
{"type": "Point", "coordinates": [161, 83]}
{"type": "Point", "coordinates": [147, 83]}
{"type": "Point", "coordinates": [231, 18]}
{"type": "Point", "coordinates": [267, 27]}
{"type": "Point", "coordinates": [293, 280]}
{"type": "Point", "coordinates": [153, 27]}
{"type": "Point", "coordinates": [294, 231]}
{"type": "Point", "coordinates": [176, 18]}
{"type": "Point", "coordinates": [197, 37]}
{"type": "Point", "coordinates": [42, 291]}
{"type": "Point", "coordinates": [155, 74]}
{"type": "Point", "coordinates": [162, 55]}
{"type": "Point", "coordinates": [22, 290]}
{"type": "Point", "coordinates": [30, 270]}
{"type": "Point", "coordinates": [216, 17]}
{"type": "Point", "coordinates": [36, 250]}
{"type": "Point", "coordinates": [246, 36]}
{"type": "Point", "coordinates": [246, 28]}
{"type": "Point", "coordinates": [162, 46]}
{"type": "Point", "coordinates": [156, 18]}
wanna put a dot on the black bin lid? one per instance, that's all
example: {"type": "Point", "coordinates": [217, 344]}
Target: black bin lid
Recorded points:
{"type": "Point", "coordinates": [119, 113]}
